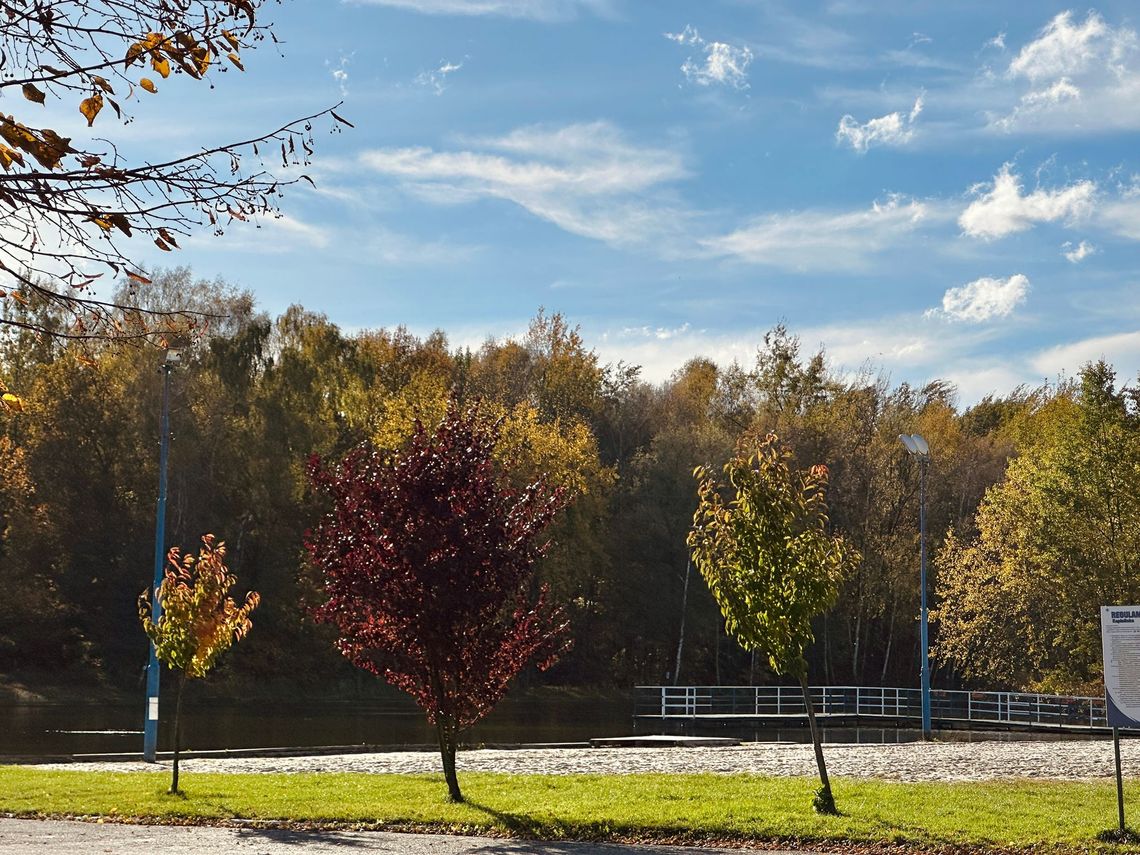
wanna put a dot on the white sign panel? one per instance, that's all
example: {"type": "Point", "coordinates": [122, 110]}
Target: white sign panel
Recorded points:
{"type": "Point", "coordinates": [1120, 639]}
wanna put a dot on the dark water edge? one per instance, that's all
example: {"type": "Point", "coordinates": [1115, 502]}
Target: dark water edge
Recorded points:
{"type": "Point", "coordinates": [79, 728]}
{"type": "Point", "coordinates": [52, 729]}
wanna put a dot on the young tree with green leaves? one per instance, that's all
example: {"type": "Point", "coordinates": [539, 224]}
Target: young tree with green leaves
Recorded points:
{"type": "Point", "coordinates": [760, 539]}
{"type": "Point", "coordinates": [197, 620]}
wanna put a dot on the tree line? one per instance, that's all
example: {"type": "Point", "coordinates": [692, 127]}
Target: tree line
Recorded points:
{"type": "Point", "coordinates": [1032, 514]}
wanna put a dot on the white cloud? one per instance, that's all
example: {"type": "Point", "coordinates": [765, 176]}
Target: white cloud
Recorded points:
{"type": "Point", "coordinates": [1077, 253]}
{"type": "Point", "coordinates": [722, 64]}
{"type": "Point", "coordinates": [585, 178]}
{"type": "Point", "coordinates": [892, 129]}
{"type": "Point", "coordinates": [1121, 216]}
{"type": "Point", "coordinates": [538, 10]}
{"type": "Point", "coordinates": [1065, 48]}
{"type": "Point", "coordinates": [822, 240]}
{"type": "Point", "coordinates": [1121, 350]}
{"type": "Point", "coordinates": [339, 73]}
{"type": "Point", "coordinates": [983, 299]}
{"type": "Point", "coordinates": [997, 42]}
{"type": "Point", "coordinates": [1078, 77]}
{"type": "Point", "coordinates": [1004, 209]}
{"type": "Point", "coordinates": [436, 79]}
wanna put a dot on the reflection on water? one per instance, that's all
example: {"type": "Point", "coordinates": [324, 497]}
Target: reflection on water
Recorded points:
{"type": "Point", "coordinates": [53, 729]}
{"type": "Point", "coordinates": [48, 729]}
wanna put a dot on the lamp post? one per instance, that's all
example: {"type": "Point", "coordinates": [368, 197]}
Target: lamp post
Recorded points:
{"type": "Point", "coordinates": [150, 723]}
{"type": "Point", "coordinates": [917, 446]}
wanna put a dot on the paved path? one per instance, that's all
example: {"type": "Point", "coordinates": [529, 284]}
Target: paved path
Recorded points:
{"type": "Point", "coordinates": [35, 837]}
{"type": "Point", "coordinates": [915, 761]}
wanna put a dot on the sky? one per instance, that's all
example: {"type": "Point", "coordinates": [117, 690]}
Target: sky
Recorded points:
{"type": "Point", "coordinates": [937, 190]}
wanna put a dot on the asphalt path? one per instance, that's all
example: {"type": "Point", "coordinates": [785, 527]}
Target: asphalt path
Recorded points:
{"type": "Point", "coordinates": [39, 837]}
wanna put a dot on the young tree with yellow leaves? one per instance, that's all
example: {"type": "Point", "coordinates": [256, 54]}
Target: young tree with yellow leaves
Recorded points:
{"type": "Point", "coordinates": [68, 204]}
{"type": "Point", "coordinates": [197, 620]}
{"type": "Point", "coordinates": [770, 562]}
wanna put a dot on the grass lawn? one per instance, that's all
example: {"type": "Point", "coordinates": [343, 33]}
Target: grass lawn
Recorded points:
{"type": "Point", "coordinates": [1064, 817]}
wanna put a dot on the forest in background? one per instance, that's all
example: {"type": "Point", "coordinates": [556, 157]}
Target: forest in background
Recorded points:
{"type": "Point", "coordinates": [1033, 498]}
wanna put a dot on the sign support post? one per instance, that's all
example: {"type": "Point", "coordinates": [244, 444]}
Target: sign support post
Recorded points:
{"type": "Point", "coordinates": [1119, 778]}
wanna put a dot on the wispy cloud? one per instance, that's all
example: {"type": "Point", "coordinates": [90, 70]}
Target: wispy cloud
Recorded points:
{"type": "Point", "coordinates": [436, 79]}
{"type": "Point", "coordinates": [586, 178]}
{"type": "Point", "coordinates": [1003, 208]}
{"type": "Point", "coordinates": [983, 299]}
{"type": "Point", "coordinates": [402, 250]}
{"type": "Point", "coordinates": [722, 63]}
{"type": "Point", "coordinates": [822, 240]}
{"type": "Point", "coordinates": [1118, 349]}
{"type": "Point", "coordinates": [1078, 253]}
{"type": "Point", "coordinates": [1077, 77]}
{"type": "Point", "coordinates": [893, 129]}
{"type": "Point", "coordinates": [339, 72]}
{"type": "Point", "coordinates": [538, 10]}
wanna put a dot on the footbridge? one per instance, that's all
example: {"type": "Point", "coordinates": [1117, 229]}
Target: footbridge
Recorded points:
{"type": "Point", "coordinates": [708, 707]}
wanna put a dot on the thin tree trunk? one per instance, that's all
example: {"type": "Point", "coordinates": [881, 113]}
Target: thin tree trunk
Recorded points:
{"type": "Point", "coordinates": [824, 802]}
{"type": "Point", "coordinates": [890, 641]}
{"type": "Point", "coordinates": [684, 609]}
{"type": "Point", "coordinates": [716, 653]}
{"type": "Point", "coordinates": [447, 744]}
{"type": "Point", "coordinates": [177, 732]}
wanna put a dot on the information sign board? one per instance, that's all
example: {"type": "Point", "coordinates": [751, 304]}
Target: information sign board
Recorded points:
{"type": "Point", "coordinates": [1120, 639]}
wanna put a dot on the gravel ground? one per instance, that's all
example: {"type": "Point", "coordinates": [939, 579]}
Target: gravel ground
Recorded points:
{"type": "Point", "coordinates": [936, 761]}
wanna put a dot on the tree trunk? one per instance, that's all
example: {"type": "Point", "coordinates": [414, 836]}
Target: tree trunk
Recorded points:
{"type": "Point", "coordinates": [448, 737]}
{"type": "Point", "coordinates": [177, 733]}
{"type": "Point", "coordinates": [823, 802]}
{"type": "Point", "coordinates": [684, 609]}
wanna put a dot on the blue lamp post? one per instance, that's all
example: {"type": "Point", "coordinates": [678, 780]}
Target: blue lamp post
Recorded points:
{"type": "Point", "coordinates": [150, 723]}
{"type": "Point", "coordinates": [917, 446]}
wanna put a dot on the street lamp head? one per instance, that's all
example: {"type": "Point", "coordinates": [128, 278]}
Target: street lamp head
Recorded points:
{"type": "Point", "coordinates": [173, 355]}
{"type": "Point", "coordinates": [915, 444]}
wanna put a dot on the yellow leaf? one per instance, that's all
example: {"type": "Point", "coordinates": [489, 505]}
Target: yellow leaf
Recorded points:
{"type": "Point", "coordinates": [233, 57]}
{"type": "Point", "coordinates": [201, 57]}
{"type": "Point", "coordinates": [161, 65]}
{"type": "Point", "coordinates": [234, 43]}
{"type": "Point", "coordinates": [102, 83]}
{"type": "Point", "coordinates": [90, 108]}
{"type": "Point", "coordinates": [12, 402]}
{"type": "Point", "coordinates": [8, 156]}
{"type": "Point", "coordinates": [134, 51]}
{"type": "Point", "coordinates": [33, 94]}
{"type": "Point", "coordinates": [142, 280]}
{"type": "Point", "coordinates": [148, 84]}
{"type": "Point", "coordinates": [161, 244]}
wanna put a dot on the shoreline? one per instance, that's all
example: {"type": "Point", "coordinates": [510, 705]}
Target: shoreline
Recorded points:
{"type": "Point", "coordinates": [1072, 760]}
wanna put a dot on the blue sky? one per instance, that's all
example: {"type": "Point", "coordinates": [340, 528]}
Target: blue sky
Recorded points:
{"type": "Point", "coordinates": [946, 190]}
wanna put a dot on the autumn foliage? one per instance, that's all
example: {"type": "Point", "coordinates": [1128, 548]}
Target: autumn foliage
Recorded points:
{"type": "Point", "coordinates": [73, 206]}
{"type": "Point", "coordinates": [428, 556]}
{"type": "Point", "coordinates": [198, 619]}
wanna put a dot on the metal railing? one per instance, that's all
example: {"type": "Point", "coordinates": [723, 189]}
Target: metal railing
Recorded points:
{"type": "Point", "coordinates": [1012, 708]}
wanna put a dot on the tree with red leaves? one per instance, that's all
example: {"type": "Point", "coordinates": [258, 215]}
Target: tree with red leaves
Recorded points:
{"type": "Point", "coordinates": [428, 556]}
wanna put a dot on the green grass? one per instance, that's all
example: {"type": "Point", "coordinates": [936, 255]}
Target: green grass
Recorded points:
{"type": "Point", "coordinates": [1025, 815]}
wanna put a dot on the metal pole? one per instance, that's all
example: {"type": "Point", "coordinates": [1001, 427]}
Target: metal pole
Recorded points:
{"type": "Point", "coordinates": [923, 463]}
{"type": "Point", "coordinates": [150, 723]}
{"type": "Point", "coordinates": [1119, 779]}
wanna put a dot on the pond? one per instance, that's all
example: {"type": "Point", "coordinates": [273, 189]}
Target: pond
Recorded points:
{"type": "Point", "coordinates": [40, 730]}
